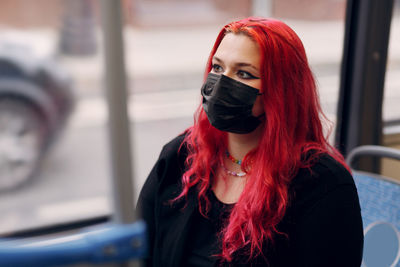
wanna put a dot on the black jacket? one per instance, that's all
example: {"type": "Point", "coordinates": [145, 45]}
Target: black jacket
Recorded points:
{"type": "Point", "coordinates": [323, 222]}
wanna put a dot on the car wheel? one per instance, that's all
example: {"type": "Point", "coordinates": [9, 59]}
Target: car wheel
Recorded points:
{"type": "Point", "coordinates": [22, 136]}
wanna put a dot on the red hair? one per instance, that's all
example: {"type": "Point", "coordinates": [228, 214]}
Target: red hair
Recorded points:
{"type": "Point", "coordinates": [291, 130]}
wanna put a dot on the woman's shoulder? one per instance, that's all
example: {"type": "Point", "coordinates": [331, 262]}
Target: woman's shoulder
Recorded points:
{"type": "Point", "coordinates": [174, 148]}
{"type": "Point", "coordinates": [167, 170]}
{"type": "Point", "coordinates": [327, 166]}
{"type": "Point", "coordinates": [325, 170]}
{"type": "Point", "coordinates": [171, 163]}
{"type": "Point", "coordinates": [326, 177]}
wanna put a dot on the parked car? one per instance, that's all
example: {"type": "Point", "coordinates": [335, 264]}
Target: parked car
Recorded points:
{"type": "Point", "coordinates": [35, 101]}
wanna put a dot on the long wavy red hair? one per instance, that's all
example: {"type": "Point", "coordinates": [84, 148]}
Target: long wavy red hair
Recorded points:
{"type": "Point", "coordinates": [292, 129]}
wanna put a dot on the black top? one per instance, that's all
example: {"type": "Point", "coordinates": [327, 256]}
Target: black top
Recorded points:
{"type": "Point", "coordinates": [322, 222]}
{"type": "Point", "coordinates": [205, 233]}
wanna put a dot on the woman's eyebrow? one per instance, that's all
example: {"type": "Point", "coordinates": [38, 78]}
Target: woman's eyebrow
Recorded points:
{"type": "Point", "coordinates": [238, 64]}
{"type": "Point", "coordinates": [217, 59]}
{"type": "Point", "coordinates": [242, 64]}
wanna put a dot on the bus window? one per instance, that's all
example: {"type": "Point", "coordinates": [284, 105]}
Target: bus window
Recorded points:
{"type": "Point", "coordinates": [167, 43]}
{"type": "Point", "coordinates": [391, 111]}
{"type": "Point", "coordinates": [55, 169]}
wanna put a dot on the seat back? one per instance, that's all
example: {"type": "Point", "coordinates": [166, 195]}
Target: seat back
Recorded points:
{"type": "Point", "coordinates": [380, 209]}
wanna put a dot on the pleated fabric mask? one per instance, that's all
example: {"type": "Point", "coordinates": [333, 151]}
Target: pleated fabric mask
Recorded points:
{"type": "Point", "coordinates": [228, 104]}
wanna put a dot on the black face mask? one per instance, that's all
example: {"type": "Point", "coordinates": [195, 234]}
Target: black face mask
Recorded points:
{"type": "Point", "coordinates": [229, 103]}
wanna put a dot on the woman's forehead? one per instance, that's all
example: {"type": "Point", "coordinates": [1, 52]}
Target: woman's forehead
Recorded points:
{"type": "Point", "coordinates": [238, 48]}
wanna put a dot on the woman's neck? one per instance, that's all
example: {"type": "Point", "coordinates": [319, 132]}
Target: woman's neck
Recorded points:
{"type": "Point", "coordinates": [240, 144]}
{"type": "Point", "coordinates": [229, 188]}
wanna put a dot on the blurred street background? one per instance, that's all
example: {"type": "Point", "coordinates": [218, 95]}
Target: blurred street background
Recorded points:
{"type": "Point", "coordinates": [167, 43]}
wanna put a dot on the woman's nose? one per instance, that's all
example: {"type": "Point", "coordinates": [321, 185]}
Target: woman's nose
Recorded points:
{"type": "Point", "coordinates": [229, 73]}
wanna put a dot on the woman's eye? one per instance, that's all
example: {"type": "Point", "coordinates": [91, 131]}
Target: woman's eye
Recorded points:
{"type": "Point", "coordinates": [216, 68]}
{"type": "Point", "coordinates": [245, 75]}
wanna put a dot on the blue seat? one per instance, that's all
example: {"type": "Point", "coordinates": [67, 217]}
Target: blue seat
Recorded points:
{"type": "Point", "coordinates": [380, 209]}
{"type": "Point", "coordinates": [108, 243]}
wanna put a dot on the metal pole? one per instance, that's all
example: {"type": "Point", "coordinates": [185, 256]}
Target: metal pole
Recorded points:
{"type": "Point", "coordinates": [359, 119]}
{"type": "Point", "coordinates": [121, 160]}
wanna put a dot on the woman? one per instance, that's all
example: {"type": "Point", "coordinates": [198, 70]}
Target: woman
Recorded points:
{"type": "Point", "coordinates": [254, 181]}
